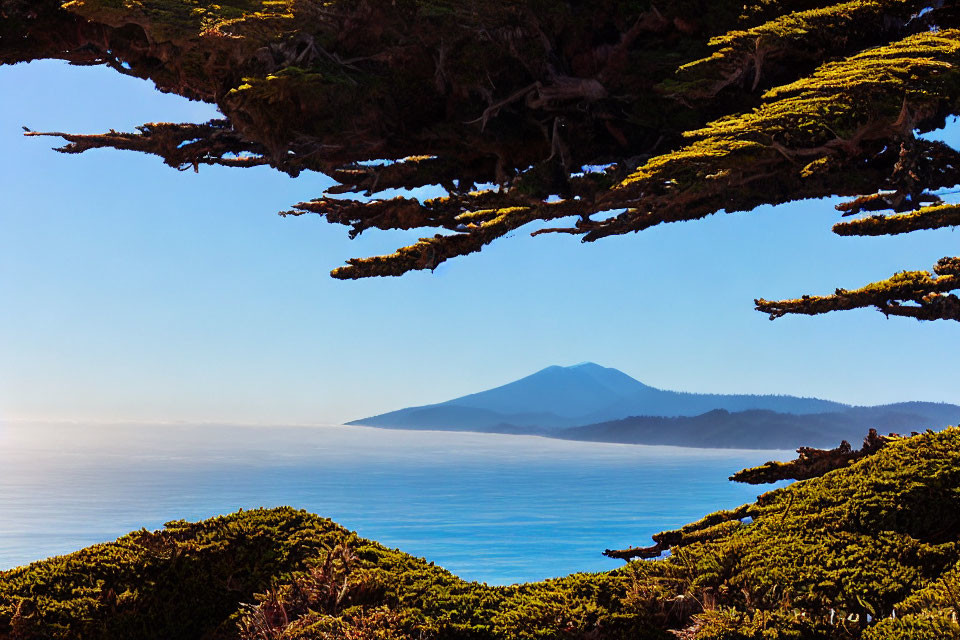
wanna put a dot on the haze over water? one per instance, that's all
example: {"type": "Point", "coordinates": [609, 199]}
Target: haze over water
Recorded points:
{"type": "Point", "coordinates": [489, 507]}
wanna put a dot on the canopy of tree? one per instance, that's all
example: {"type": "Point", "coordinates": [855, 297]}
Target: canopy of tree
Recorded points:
{"type": "Point", "coordinates": [608, 116]}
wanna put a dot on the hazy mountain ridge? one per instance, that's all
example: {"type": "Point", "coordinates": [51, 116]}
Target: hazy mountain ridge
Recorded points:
{"type": "Point", "coordinates": [591, 402]}
{"type": "Point", "coordinates": [758, 428]}
{"type": "Point", "coordinates": [447, 417]}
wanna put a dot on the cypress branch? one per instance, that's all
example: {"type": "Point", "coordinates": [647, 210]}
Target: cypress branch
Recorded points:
{"type": "Point", "coordinates": [692, 107]}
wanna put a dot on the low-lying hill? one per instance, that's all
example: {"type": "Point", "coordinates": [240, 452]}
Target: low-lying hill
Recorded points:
{"type": "Point", "coordinates": [869, 551]}
{"type": "Point", "coordinates": [759, 429]}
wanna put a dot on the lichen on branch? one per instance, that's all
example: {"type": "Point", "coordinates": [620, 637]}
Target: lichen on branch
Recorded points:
{"type": "Point", "coordinates": [913, 294]}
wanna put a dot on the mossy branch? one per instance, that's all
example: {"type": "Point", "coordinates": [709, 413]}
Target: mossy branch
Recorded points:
{"type": "Point", "coordinates": [933, 217]}
{"type": "Point", "coordinates": [915, 294]}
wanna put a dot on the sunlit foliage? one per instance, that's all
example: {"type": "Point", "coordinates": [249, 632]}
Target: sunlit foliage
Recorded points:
{"type": "Point", "coordinates": [869, 550]}
{"type": "Point", "coordinates": [606, 117]}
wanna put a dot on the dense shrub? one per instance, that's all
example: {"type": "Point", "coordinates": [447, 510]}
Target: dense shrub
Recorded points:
{"type": "Point", "coordinates": [868, 551]}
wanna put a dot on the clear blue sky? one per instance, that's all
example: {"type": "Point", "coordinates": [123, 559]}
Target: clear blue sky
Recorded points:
{"type": "Point", "coordinates": [131, 291]}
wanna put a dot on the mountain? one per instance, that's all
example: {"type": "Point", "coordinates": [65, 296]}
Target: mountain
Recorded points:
{"type": "Point", "coordinates": [554, 397]}
{"type": "Point", "coordinates": [590, 402]}
{"type": "Point", "coordinates": [586, 393]}
{"type": "Point", "coordinates": [570, 392]}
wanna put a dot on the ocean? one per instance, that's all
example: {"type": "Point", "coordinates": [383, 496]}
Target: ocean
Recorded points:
{"type": "Point", "coordinates": [493, 508]}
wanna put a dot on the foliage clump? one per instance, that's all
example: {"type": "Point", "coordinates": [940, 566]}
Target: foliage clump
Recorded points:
{"type": "Point", "coordinates": [870, 550]}
{"type": "Point", "coordinates": [618, 115]}
{"type": "Point", "coordinates": [284, 573]}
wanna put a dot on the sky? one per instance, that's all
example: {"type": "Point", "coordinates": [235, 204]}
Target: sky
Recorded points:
{"type": "Point", "coordinates": [134, 292]}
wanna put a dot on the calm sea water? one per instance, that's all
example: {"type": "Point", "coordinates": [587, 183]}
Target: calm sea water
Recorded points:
{"type": "Point", "coordinates": [494, 508]}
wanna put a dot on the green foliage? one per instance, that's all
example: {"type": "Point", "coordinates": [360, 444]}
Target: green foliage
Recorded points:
{"type": "Point", "coordinates": [693, 107]}
{"type": "Point", "coordinates": [859, 541]}
{"type": "Point", "coordinates": [749, 56]}
{"type": "Point", "coordinates": [928, 291]}
{"type": "Point", "coordinates": [911, 627]}
{"type": "Point", "coordinates": [163, 584]}
{"type": "Point", "coordinates": [870, 550]}
{"type": "Point", "coordinates": [315, 579]}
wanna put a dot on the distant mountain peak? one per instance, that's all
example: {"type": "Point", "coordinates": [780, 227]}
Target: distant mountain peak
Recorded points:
{"type": "Point", "coordinates": [587, 401]}
{"type": "Point", "coordinates": [579, 394]}
{"type": "Point", "coordinates": [586, 365]}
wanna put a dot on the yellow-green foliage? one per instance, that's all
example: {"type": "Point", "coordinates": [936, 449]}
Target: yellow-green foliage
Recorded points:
{"type": "Point", "coordinates": [928, 626]}
{"type": "Point", "coordinates": [181, 582]}
{"type": "Point", "coordinates": [808, 137]}
{"type": "Point", "coordinates": [694, 106]}
{"type": "Point", "coordinates": [191, 580]}
{"type": "Point", "coordinates": [924, 289]}
{"type": "Point", "coordinates": [748, 56]}
{"type": "Point", "coordinates": [181, 20]}
{"type": "Point", "coordinates": [859, 541]}
{"type": "Point", "coordinates": [932, 217]}
{"type": "Point", "coordinates": [919, 72]}
{"type": "Point", "coordinates": [867, 551]}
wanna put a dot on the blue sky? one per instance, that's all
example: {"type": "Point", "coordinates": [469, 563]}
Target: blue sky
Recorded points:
{"type": "Point", "coordinates": [132, 291]}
